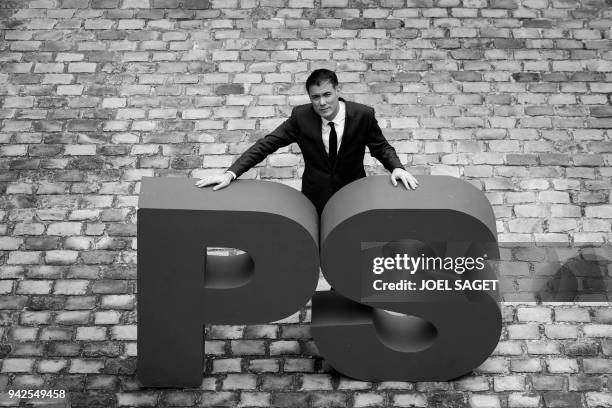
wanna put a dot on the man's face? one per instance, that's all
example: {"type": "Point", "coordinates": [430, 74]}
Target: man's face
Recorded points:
{"type": "Point", "coordinates": [324, 98]}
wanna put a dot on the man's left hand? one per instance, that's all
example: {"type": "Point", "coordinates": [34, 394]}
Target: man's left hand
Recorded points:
{"type": "Point", "coordinates": [406, 178]}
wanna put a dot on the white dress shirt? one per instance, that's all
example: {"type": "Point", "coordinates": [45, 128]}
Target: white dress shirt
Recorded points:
{"type": "Point", "coordinates": [338, 125]}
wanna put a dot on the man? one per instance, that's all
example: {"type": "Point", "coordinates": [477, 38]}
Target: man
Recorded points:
{"type": "Point", "coordinates": [332, 134]}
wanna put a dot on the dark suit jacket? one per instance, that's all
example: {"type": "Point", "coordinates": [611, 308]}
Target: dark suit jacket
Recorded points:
{"type": "Point", "coordinates": [320, 181]}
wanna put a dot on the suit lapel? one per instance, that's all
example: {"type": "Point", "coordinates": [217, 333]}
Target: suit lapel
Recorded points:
{"type": "Point", "coordinates": [348, 131]}
{"type": "Point", "coordinates": [314, 122]}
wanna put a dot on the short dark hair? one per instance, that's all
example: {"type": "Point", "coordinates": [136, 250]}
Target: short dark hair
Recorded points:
{"type": "Point", "coordinates": [319, 76]}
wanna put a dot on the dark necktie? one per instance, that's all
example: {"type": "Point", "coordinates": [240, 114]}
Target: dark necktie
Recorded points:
{"type": "Point", "coordinates": [333, 144]}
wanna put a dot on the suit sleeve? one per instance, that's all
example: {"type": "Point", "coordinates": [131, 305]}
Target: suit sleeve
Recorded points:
{"type": "Point", "coordinates": [379, 147]}
{"type": "Point", "coordinates": [282, 136]}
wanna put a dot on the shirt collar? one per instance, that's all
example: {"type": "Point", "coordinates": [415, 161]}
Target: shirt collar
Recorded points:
{"type": "Point", "coordinates": [339, 116]}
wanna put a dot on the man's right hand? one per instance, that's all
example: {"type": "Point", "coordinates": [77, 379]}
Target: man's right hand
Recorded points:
{"type": "Point", "coordinates": [221, 181]}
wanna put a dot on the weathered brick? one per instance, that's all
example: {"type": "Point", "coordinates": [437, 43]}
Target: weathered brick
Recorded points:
{"type": "Point", "coordinates": [17, 365]}
{"type": "Point", "coordinates": [91, 333]}
{"type": "Point", "coordinates": [123, 332]}
{"type": "Point", "coordinates": [118, 301]}
{"type": "Point", "coordinates": [561, 331]}
{"type": "Point", "coordinates": [107, 317]}
{"type": "Point", "coordinates": [556, 399]}
{"type": "Point", "coordinates": [547, 382]}
{"type": "Point", "coordinates": [521, 400]}
{"type": "Point", "coordinates": [141, 399]}
{"type": "Point", "coordinates": [299, 365]}
{"type": "Point", "coordinates": [543, 347]}
{"type": "Point", "coordinates": [248, 347]}
{"type": "Point", "coordinates": [584, 382]}
{"type": "Point", "coordinates": [239, 381]}
{"type": "Point", "coordinates": [227, 365]}
{"type": "Point", "coordinates": [22, 334]}
{"type": "Point", "coordinates": [60, 257]}
{"type": "Point", "coordinates": [597, 365]}
{"type": "Point", "coordinates": [85, 366]}
{"type": "Point", "coordinates": [527, 365]}
{"type": "Point", "coordinates": [562, 365]}
{"type": "Point", "coordinates": [597, 330]}
{"type": "Point", "coordinates": [316, 382]}
{"type": "Point", "coordinates": [484, 401]}
{"type": "Point", "coordinates": [523, 331]}
{"type": "Point", "coordinates": [368, 399]}
{"type": "Point", "coordinates": [598, 399]}
{"type": "Point", "coordinates": [64, 228]}
{"type": "Point", "coordinates": [51, 366]}
{"type": "Point", "coordinates": [34, 287]}
{"type": "Point", "coordinates": [509, 383]}
{"type": "Point", "coordinates": [72, 317]}
{"type": "Point", "coordinates": [534, 314]}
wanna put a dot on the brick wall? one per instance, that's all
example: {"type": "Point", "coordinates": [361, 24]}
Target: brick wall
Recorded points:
{"type": "Point", "coordinates": [511, 95]}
